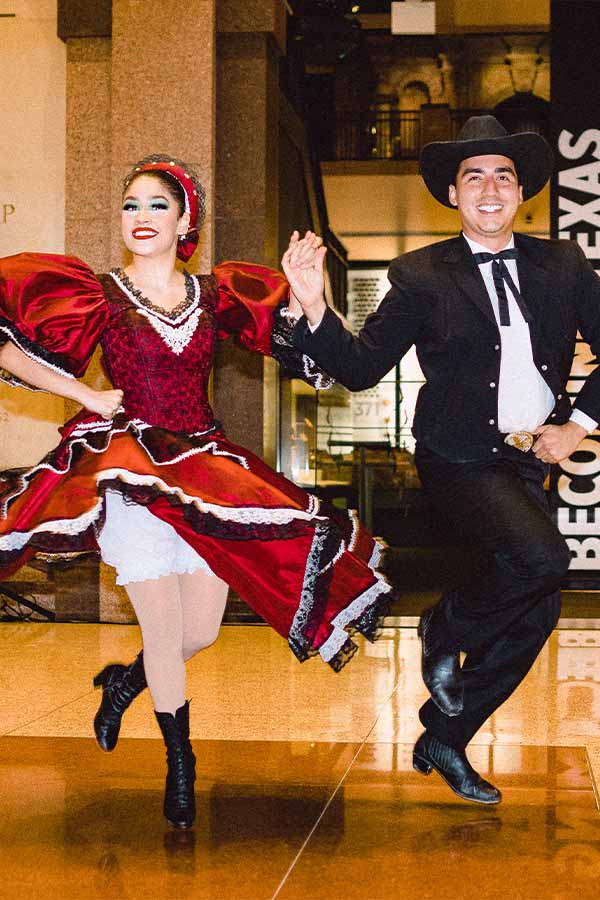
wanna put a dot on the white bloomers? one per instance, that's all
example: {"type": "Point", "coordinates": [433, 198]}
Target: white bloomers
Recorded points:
{"type": "Point", "coordinates": [140, 546]}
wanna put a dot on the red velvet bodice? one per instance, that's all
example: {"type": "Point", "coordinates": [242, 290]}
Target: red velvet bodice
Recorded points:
{"type": "Point", "coordinates": [57, 311]}
{"type": "Point", "coordinates": [160, 387]}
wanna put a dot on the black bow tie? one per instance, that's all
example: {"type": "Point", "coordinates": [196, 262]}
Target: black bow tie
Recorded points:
{"type": "Point", "coordinates": [501, 275]}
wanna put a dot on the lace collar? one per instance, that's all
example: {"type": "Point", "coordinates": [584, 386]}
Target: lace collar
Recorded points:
{"type": "Point", "coordinates": [177, 314]}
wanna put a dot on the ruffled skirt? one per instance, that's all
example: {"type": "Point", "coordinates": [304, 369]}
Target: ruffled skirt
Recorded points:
{"type": "Point", "coordinates": [308, 569]}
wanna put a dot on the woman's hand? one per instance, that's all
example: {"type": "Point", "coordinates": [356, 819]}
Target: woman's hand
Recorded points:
{"type": "Point", "coordinates": [302, 263]}
{"type": "Point", "coordinates": [105, 403]}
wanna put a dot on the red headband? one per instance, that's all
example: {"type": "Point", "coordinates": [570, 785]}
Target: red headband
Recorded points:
{"type": "Point", "coordinates": [188, 242]}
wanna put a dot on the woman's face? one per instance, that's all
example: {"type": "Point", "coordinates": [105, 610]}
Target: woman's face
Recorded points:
{"type": "Point", "coordinates": [150, 220]}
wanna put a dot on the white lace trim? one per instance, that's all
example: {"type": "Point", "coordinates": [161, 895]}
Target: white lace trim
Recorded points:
{"type": "Point", "coordinates": [317, 378]}
{"type": "Point", "coordinates": [94, 427]}
{"type": "Point", "coordinates": [154, 572]}
{"type": "Point", "coordinates": [23, 478]}
{"type": "Point", "coordinates": [163, 317]}
{"type": "Point", "coordinates": [212, 447]}
{"type": "Point", "coordinates": [138, 424]}
{"type": "Point", "coordinates": [314, 504]}
{"type": "Point", "coordinates": [15, 540]}
{"type": "Point", "coordinates": [245, 515]}
{"type": "Point", "coordinates": [345, 617]}
{"type": "Point", "coordinates": [379, 549]}
{"type": "Point", "coordinates": [353, 515]}
{"type": "Point", "coordinates": [175, 333]}
{"type": "Point", "coordinates": [176, 337]}
{"type": "Point", "coordinates": [14, 338]}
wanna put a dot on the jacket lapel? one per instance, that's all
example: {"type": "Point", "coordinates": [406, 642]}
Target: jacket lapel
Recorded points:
{"type": "Point", "coordinates": [534, 278]}
{"type": "Point", "coordinates": [534, 281]}
{"type": "Point", "coordinates": [466, 275]}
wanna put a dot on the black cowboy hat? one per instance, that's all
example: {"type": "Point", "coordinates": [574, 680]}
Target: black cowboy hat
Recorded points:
{"type": "Point", "coordinates": [480, 136]}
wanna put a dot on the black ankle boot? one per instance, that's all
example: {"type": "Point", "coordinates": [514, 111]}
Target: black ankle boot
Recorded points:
{"type": "Point", "coordinates": [180, 804]}
{"type": "Point", "coordinates": [120, 687]}
{"type": "Point", "coordinates": [454, 767]}
{"type": "Point", "coordinates": [440, 668]}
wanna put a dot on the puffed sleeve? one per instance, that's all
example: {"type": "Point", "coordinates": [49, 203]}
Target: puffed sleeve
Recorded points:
{"type": "Point", "coordinates": [53, 308]}
{"type": "Point", "coordinates": [251, 307]}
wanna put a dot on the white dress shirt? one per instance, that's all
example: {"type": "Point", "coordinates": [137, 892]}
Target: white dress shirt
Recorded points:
{"type": "Point", "coordinates": [524, 398]}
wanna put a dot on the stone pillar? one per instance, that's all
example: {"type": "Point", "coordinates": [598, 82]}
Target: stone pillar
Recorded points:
{"type": "Point", "coordinates": [87, 188]}
{"type": "Point", "coordinates": [250, 40]}
{"type": "Point", "coordinates": [163, 96]}
{"type": "Point", "coordinates": [139, 81]}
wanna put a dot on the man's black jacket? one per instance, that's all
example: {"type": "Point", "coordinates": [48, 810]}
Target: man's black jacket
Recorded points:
{"type": "Point", "coordinates": [438, 302]}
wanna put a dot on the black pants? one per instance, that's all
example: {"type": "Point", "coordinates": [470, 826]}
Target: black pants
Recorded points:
{"type": "Point", "coordinates": [503, 620]}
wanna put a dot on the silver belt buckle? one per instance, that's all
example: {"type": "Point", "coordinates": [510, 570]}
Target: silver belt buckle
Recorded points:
{"type": "Point", "coordinates": [522, 440]}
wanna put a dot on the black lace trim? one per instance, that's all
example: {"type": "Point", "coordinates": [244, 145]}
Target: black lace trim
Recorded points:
{"type": "Point", "coordinates": [344, 655]}
{"type": "Point", "coordinates": [329, 541]}
{"type": "Point", "coordinates": [293, 361]}
{"type": "Point", "coordinates": [169, 313]}
{"type": "Point", "coordinates": [10, 332]}
{"type": "Point", "coordinates": [207, 523]}
{"type": "Point", "coordinates": [369, 624]}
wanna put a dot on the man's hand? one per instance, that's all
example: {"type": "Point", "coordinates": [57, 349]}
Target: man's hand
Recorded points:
{"type": "Point", "coordinates": [302, 263]}
{"type": "Point", "coordinates": [556, 442]}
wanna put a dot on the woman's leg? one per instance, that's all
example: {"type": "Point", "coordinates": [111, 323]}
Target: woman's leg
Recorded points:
{"type": "Point", "coordinates": [203, 599]}
{"type": "Point", "coordinates": [178, 615]}
{"type": "Point", "coordinates": [158, 608]}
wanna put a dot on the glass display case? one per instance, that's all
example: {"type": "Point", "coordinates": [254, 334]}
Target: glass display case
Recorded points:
{"type": "Point", "coordinates": [354, 449]}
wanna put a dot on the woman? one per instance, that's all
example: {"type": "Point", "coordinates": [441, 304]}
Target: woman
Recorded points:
{"type": "Point", "coordinates": [146, 475]}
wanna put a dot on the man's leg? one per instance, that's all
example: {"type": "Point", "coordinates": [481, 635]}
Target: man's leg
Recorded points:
{"type": "Point", "coordinates": [492, 673]}
{"type": "Point", "coordinates": [504, 619]}
{"type": "Point", "coordinates": [501, 509]}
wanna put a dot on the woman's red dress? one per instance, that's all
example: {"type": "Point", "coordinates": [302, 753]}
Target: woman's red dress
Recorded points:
{"type": "Point", "coordinates": [306, 568]}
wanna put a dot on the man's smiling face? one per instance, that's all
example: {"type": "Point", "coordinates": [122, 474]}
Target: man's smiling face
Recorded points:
{"type": "Point", "coordinates": [487, 195]}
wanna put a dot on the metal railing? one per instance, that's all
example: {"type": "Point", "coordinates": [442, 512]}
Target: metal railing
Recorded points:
{"type": "Point", "coordinates": [385, 134]}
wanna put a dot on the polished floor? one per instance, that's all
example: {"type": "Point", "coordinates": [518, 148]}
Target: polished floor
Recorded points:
{"type": "Point", "coordinates": [305, 789]}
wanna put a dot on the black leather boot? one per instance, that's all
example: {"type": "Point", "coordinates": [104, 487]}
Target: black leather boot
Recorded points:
{"type": "Point", "coordinates": [120, 687]}
{"type": "Point", "coordinates": [454, 767]}
{"type": "Point", "coordinates": [440, 669]}
{"type": "Point", "coordinates": [180, 803]}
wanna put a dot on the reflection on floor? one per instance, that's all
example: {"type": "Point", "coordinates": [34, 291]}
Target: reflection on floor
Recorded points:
{"type": "Point", "coordinates": [306, 788]}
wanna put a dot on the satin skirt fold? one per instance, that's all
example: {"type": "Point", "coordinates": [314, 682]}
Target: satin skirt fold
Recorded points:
{"type": "Point", "coordinates": [308, 569]}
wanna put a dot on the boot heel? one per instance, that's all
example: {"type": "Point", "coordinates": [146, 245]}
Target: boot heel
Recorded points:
{"type": "Point", "coordinates": [421, 765]}
{"type": "Point", "coordinates": [103, 677]}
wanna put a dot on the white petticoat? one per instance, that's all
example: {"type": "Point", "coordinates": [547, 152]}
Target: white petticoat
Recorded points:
{"type": "Point", "coordinates": [141, 546]}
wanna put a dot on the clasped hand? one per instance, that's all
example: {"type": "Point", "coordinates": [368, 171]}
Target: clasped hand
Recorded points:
{"type": "Point", "coordinates": [557, 442]}
{"type": "Point", "coordinates": [105, 403]}
{"type": "Point", "coordinates": [302, 263]}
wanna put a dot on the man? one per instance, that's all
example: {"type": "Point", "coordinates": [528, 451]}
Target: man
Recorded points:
{"type": "Point", "coordinates": [494, 318]}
